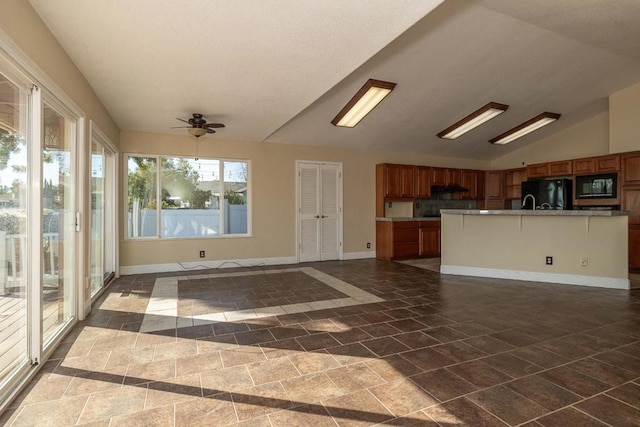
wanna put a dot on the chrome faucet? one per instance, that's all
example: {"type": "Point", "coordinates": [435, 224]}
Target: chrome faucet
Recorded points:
{"type": "Point", "coordinates": [545, 206]}
{"type": "Point", "coordinates": [524, 200]}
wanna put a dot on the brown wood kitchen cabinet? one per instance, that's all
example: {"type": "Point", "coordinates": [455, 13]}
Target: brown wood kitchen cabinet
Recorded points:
{"type": "Point", "coordinates": [398, 181]}
{"type": "Point", "coordinates": [495, 185]}
{"type": "Point", "coordinates": [630, 201]}
{"type": "Point", "coordinates": [630, 168]}
{"type": "Point", "coordinates": [597, 165]}
{"type": "Point", "coordinates": [423, 182]}
{"type": "Point", "coordinates": [474, 181]}
{"type": "Point", "coordinates": [438, 176]}
{"type": "Point", "coordinates": [454, 176]}
{"type": "Point", "coordinates": [429, 238]}
{"type": "Point", "coordinates": [494, 190]}
{"type": "Point", "coordinates": [407, 239]}
{"type": "Point", "coordinates": [634, 247]}
{"type": "Point", "coordinates": [539, 170]}
{"type": "Point", "coordinates": [513, 180]}
{"type": "Point", "coordinates": [397, 240]}
{"type": "Point", "coordinates": [543, 170]}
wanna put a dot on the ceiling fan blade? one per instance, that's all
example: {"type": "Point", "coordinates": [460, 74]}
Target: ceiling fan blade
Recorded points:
{"type": "Point", "coordinates": [180, 127]}
{"type": "Point", "coordinates": [182, 120]}
{"type": "Point", "coordinates": [209, 130]}
{"type": "Point", "coordinates": [214, 125]}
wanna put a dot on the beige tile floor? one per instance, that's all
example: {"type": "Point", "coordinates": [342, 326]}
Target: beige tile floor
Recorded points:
{"type": "Point", "coordinates": [433, 350]}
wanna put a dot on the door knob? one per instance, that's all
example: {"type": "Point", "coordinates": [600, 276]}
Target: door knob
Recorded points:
{"type": "Point", "coordinates": [323, 216]}
{"type": "Point", "coordinates": [317, 216]}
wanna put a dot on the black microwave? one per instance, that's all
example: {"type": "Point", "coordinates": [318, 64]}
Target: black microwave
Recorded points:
{"type": "Point", "coordinates": [597, 186]}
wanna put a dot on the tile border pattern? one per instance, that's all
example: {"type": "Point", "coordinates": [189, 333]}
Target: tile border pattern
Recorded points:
{"type": "Point", "coordinates": [162, 310]}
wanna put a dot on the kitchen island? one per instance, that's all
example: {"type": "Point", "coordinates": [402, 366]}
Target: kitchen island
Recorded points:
{"type": "Point", "coordinates": [588, 248]}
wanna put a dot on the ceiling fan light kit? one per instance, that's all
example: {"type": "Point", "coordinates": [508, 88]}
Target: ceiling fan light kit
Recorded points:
{"type": "Point", "coordinates": [473, 120]}
{"type": "Point", "coordinates": [197, 132]}
{"type": "Point", "coordinates": [365, 100]}
{"type": "Point", "coordinates": [525, 128]}
{"type": "Point", "coordinates": [198, 125]}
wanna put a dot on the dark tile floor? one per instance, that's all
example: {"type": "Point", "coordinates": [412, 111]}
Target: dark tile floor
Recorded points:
{"type": "Point", "coordinates": [438, 350]}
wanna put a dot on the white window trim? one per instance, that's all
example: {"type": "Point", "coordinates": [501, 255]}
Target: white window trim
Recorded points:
{"type": "Point", "coordinates": [158, 236]}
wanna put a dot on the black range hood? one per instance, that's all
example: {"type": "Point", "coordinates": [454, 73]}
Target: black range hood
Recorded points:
{"type": "Point", "coordinates": [448, 189]}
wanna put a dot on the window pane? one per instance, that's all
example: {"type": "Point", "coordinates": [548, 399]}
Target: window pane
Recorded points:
{"type": "Point", "coordinates": [13, 227]}
{"type": "Point", "coordinates": [235, 197]}
{"type": "Point", "coordinates": [190, 200]}
{"type": "Point", "coordinates": [58, 217]}
{"type": "Point", "coordinates": [141, 200]}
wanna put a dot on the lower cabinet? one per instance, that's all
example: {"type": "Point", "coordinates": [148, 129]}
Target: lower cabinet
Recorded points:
{"type": "Point", "coordinates": [429, 238]}
{"type": "Point", "coordinates": [407, 239]}
{"type": "Point", "coordinates": [634, 247]}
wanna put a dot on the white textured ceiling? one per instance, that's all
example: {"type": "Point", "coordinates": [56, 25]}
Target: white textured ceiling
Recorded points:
{"type": "Point", "coordinates": [252, 64]}
{"type": "Point", "coordinates": [280, 70]}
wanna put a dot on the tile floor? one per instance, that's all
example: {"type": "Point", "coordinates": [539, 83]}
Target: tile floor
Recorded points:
{"type": "Point", "coordinates": [220, 348]}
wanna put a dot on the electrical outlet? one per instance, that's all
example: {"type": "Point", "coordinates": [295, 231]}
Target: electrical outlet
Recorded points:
{"type": "Point", "coordinates": [368, 245]}
{"type": "Point", "coordinates": [201, 254]}
{"type": "Point", "coordinates": [549, 260]}
{"type": "Point", "coordinates": [584, 261]}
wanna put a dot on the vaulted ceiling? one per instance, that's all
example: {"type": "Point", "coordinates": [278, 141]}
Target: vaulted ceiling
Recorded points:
{"type": "Point", "coordinates": [280, 70]}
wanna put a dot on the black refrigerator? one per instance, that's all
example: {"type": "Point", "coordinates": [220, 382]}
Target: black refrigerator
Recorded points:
{"type": "Point", "coordinates": [548, 194]}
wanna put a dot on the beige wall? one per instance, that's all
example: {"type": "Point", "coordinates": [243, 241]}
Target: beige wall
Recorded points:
{"type": "Point", "coordinates": [585, 139]}
{"type": "Point", "coordinates": [517, 243]}
{"type": "Point", "coordinates": [272, 176]}
{"type": "Point", "coordinates": [624, 120]}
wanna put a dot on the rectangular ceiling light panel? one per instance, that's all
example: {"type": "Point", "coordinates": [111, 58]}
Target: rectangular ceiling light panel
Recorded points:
{"type": "Point", "coordinates": [525, 128]}
{"type": "Point", "coordinates": [473, 120]}
{"type": "Point", "coordinates": [365, 100]}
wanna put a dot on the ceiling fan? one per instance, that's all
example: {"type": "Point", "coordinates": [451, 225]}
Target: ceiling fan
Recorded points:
{"type": "Point", "coordinates": [198, 126]}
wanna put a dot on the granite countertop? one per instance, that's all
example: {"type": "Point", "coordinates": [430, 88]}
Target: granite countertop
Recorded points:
{"type": "Point", "coordinates": [406, 219]}
{"type": "Point", "coordinates": [525, 212]}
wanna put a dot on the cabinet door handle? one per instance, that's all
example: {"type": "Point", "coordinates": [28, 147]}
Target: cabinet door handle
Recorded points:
{"type": "Point", "coordinates": [317, 216]}
{"type": "Point", "coordinates": [324, 216]}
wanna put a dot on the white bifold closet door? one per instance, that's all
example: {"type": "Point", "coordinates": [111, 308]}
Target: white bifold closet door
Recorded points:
{"type": "Point", "coordinates": [319, 211]}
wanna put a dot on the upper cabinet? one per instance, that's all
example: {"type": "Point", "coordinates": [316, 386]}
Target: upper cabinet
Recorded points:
{"type": "Point", "coordinates": [562, 168]}
{"type": "Point", "coordinates": [454, 176]}
{"type": "Point", "coordinates": [539, 170]}
{"type": "Point", "coordinates": [398, 181]}
{"type": "Point", "coordinates": [393, 182]}
{"type": "Point", "coordinates": [474, 182]}
{"type": "Point", "coordinates": [630, 168]}
{"type": "Point", "coordinates": [543, 170]}
{"type": "Point", "coordinates": [423, 182]}
{"type": "Point", "coordinates": [596, 165]}
{"type": "Point", "coordinates": [495, 185]}
{"type": "Point", "coordinates": [438, 176]}
{"type": "Point", "coordinates": [513, 180]}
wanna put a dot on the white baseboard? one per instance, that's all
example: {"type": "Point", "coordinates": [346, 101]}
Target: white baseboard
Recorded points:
{"type": "Point", "coordinates": [203, 265]}
{"type": "Point", "coordinates": [358, 255]}
{"type": "Point", "coordinates": [229, 263]}
{"type": "Point", "coordinates": [565, 279]}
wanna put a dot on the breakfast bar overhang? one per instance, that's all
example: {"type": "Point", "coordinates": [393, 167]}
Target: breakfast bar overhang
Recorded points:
{"type": "Point", "coordinates": [574, 247]}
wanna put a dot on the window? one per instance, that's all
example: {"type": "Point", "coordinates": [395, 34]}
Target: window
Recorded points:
{"type": "Point", "coordinates": [198, 198]}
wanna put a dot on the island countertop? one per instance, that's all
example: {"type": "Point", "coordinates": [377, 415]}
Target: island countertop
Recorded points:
{"type": "Point", "coordinates": [540, 212]}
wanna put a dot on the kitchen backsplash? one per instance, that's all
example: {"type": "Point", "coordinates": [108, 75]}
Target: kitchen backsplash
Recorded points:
{"type": "Point", "coordinates": [431, 207]}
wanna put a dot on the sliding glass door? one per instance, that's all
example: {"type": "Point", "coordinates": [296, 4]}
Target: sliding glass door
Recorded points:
{"type": "Point", "coordinates": [58, 222]}
{"type": "Point", "coordinates": [101, 258]}
{"type": "Point", "coordinates": [14, 269]}
{"type": "Point", "coordinates": [41, 261]}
